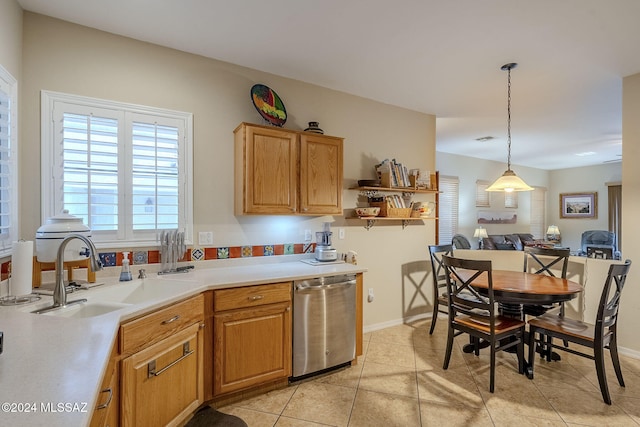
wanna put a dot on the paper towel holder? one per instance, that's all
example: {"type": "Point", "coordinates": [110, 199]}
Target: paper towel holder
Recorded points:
{"type": "Point", "coordinates": [12, 299]}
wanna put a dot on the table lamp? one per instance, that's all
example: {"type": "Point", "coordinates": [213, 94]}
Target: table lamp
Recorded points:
{"type": "Point", "coordinates": [553, 233]}
{"type": "Point", "coordinates": [480, 233]}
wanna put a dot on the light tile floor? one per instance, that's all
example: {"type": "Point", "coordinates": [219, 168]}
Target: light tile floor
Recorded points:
{"type": "Point", "coordinates": [399, 381]}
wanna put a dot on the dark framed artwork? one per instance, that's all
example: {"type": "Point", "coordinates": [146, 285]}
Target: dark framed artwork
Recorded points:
{"type": "Point", "coordinates": [579, 205]}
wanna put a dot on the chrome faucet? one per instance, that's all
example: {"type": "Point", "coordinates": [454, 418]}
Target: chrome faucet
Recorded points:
{"type": "Point", "coordinates": [60, 292]}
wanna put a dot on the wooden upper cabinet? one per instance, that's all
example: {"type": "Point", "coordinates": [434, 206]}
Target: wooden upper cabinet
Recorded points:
{"type": "Point", "coordinates": [320, 174]}
{"type": "Point", "coordinates": [284, 172]}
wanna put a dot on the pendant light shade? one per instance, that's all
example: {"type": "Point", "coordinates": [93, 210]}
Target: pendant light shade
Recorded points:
{"type": "Point", "coordinates": [509, 181]}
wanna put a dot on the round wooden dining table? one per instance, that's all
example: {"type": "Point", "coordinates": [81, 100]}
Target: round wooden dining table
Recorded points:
{"type": "Point", "coordinates": [513, 289]}
{"type": "Point", "coordinates": [518, 287]}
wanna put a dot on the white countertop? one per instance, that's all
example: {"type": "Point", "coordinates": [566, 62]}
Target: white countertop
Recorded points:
{"type": "Point", "coordinates": [51, 367]}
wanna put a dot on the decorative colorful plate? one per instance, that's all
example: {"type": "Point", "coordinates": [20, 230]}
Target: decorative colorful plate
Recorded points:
{"type": "Point", "coordinates": [268, 104]}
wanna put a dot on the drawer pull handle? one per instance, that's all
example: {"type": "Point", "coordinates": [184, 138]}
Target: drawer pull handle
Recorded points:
{"type": "Point", "coordinates": [173, 319]}
{"type": "Point", "coordinates": [106, 404]}
{"type": "Point", "coordinates": [151, 366]}
{"type": "Point", "coordinates": [256, 297]}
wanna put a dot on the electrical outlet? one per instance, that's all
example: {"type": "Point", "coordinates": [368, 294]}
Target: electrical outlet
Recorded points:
{"type": "Point", "coordinates": [340, 233]}
{"type": "Point", "coordinates": [307, 235]}
{"type": "Point", "coordinates": [205, 238]}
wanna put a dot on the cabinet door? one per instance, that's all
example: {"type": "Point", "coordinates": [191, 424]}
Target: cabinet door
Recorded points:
{"type": "Point", "coordinates": [162, 384]}
{"type": "Point", "coordinates": [320, 175]}
{"type": "Point", "coordinates": [251, 346]}
{"type": "Point", "coordinates": [269, 170]}
{"type": "Point", "coordinates": [107, 408]}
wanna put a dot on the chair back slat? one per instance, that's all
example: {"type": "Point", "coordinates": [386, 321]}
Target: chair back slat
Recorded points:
{"type": "Point", "coordinates": [540, 260]}
{"type": "Point", "coordinates": [610, 298]}
{"type": "Point", "coordinates": [437, 268]}
{"type": "Point", "coordinates": [463, 297]}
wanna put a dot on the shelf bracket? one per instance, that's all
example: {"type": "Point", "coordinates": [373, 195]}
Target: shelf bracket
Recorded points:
{"type": "Point", "coordinates": [369, 224]}
{"type": "Point", "coordinates": [405, 222]}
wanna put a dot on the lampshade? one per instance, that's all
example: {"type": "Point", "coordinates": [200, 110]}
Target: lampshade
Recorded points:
{"type": "Point", "coordinates": [509, 181]}
{"type": "Point", "coordinates": [553, 230]}
{"type": "Point", "coordinates": [480, 233]}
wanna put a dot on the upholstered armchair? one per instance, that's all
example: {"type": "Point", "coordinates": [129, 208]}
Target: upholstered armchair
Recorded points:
{"type": "Point", "coordinates": [598, 239]}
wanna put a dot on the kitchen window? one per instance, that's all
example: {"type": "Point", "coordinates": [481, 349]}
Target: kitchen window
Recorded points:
{"type": "Point", "coordinates": [124, 169]}
{"type": "Point", "coordinates": [8, 161]}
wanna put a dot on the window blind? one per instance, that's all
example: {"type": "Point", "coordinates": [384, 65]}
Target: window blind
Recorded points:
{"type": "Point", "coordinates": [538, 210]}
{"type": "Point", "coordinates": [448, 209]}
{"type": "Point", "coordinates": [8, 162]}
{"type": "Point", "coordinates": [155, 176]}
{"type": "Point", "coordinates": [90, 169]}
{"type": "Point", "coordinates": [482, 196]}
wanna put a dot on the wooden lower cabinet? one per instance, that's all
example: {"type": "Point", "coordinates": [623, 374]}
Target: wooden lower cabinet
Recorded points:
{"type": "Point", "coordinates": [252, 344]}
{"type": "Point", "coordinates": [162, 384]}
{"type": "Point", "coordinates": [107, 410]}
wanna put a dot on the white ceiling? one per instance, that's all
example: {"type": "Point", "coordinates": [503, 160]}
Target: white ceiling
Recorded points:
{"type": "Point", "coordinates": [435, 56]}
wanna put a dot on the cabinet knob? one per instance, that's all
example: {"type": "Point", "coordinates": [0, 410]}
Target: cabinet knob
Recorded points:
{"type": "Point", "coordinates": [256, 297]}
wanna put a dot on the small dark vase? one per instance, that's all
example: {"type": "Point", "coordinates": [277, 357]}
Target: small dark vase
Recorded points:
{"type": "Point", "coordinates": [313, 127]}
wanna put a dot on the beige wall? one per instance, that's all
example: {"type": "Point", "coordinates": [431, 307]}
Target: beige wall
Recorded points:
{"type": "Point", "coordinates": [64, 57]}
{"type": "Point", "coordinates": [630, 306]}
{"type": "Point", "coordinates": [11, 37]}
{"type": "Point", "coordinates": [577, 180]}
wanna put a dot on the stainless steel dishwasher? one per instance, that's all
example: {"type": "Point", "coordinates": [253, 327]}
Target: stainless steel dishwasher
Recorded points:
{"type": "Point", "coordinates": [324, 323]}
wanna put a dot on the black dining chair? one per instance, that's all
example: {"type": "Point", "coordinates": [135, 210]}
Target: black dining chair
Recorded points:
{"type": "Point", "coordinates": [459, 241]}
{"type": "Point", "coordinates": [597, 337]}
{"type": "Point", "coordinates": [539, 260]}
{"type": "Point", "coordinates": [440, 297]}
{"type": "Point", "coordinates": [477, 317]}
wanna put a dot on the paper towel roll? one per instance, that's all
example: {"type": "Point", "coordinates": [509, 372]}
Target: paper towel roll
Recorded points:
{"type": "Point", "coordinates": [22, 268]}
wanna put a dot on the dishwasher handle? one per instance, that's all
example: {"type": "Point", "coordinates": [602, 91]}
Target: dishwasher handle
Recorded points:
{"type": "Point", "coordinates": [306, 287]}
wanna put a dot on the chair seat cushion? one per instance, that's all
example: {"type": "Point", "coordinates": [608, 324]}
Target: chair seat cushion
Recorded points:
{"type": "Point", "coordinates": [482, 323]}
{"type": "Point", "coordinates": [564, 325]}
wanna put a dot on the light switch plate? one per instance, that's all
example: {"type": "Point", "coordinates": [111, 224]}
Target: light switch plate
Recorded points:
{"type": "Point", "coordinates": [341, 233]}
{"type": "Point", "coordinates": [205, 238]}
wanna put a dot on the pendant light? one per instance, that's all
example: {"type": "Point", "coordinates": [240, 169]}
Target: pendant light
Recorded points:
{"type": "Point", "coordinates": [509, 181]}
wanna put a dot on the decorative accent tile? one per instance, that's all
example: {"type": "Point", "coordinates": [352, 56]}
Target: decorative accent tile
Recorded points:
{"type": "Point", "coordinates": [268, 250]}
{"type": "Point", "coordinates": [235, 251]}
{"type": "Point", "coordinates": [108, 259]}
{"type": "Point", "coordinates": [210, 253]}
{"type": "Point", "coordinates": [197, 254]}
{"type": "Point", "coordinates": [297, 248]}
{"type": "Point", "coordinates": [246, 251]}
{"type": "Point", "coordinates": [307, 248]}
{"type": "Point", "coordinates": [278, 249]}
{"type": "Point", "coordinates": [153, 257]}
{"type": "Point", "coordinates": [288, 249]}
{"type": "Point", "coordinates": [258, 251]}
{"type": "Point", "coordinates": [140, 257]}
{"type": "Point", "coordinates": [223, 253]}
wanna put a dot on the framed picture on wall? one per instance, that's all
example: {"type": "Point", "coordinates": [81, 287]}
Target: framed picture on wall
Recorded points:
{"type": "Point", "coordinates": [579, 205]}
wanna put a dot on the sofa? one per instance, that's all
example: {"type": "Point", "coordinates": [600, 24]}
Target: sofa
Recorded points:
{"type": "Point", "coordinates": [514, 241]}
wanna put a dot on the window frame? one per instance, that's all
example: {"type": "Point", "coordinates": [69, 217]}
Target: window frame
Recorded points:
{"type": "Point", "coordinates": [9, 85]}
{"type": "Point", "coordinates": [126, 113]}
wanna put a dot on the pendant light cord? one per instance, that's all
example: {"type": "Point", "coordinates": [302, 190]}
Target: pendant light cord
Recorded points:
{"type": "Point", "coordinates": [509, 118]}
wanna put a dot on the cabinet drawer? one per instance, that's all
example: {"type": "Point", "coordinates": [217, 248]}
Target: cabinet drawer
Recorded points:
{"type": "Point", "coordinates": [160, 324]}
{"type": "Point", "coordinates": [251, 296]}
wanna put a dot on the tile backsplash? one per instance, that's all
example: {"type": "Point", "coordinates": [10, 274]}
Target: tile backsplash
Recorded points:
{"type": "Point", "coordinates": [113, 259]}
